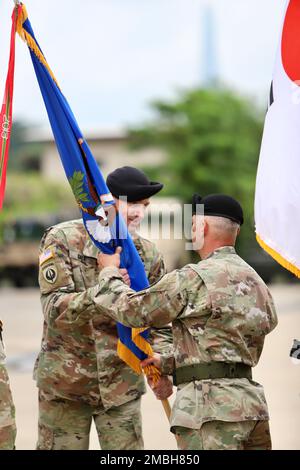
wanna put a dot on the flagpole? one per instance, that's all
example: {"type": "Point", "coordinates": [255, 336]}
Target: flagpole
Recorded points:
{"type": "Point", "coordinates": [167, 408]}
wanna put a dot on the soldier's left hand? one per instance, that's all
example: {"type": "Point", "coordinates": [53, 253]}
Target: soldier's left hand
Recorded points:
{"type": "Point", "coordinates": [125, 276]}
{"type": "Point", "coordinates": [108, 261]}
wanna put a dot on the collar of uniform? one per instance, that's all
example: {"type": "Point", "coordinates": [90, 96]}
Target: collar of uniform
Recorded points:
{"type": "Point", "coordinates": [223, 250]}
{"type": "Point", "coordinates": [136, 238]}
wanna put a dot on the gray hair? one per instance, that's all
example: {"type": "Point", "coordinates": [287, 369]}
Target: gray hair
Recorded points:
{"type": "Point", "coordinates": [223, 227]}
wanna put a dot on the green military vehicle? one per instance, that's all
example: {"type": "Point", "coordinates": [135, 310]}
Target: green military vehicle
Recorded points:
{"type": "Point", "coordinates": [19, 246]}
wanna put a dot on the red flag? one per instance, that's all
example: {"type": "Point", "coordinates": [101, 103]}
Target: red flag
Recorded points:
{"type": "Point", "coordinates": [6, 110]}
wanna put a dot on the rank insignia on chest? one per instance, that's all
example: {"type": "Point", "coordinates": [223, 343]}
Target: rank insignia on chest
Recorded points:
{"type": "Point", "coordinates": [50, 274]}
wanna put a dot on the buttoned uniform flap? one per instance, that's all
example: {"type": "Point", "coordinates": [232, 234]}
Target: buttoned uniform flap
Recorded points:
{"type": "Point", "coordinates": [194, 326]}
{"type": "Point", "coordinates": [85, 270]}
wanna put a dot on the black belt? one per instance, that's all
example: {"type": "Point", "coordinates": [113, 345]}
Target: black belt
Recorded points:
{"type": "Point", "coordinates": [212, 370]}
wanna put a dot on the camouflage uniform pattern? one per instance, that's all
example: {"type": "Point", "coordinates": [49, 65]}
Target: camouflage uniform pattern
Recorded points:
{"type": "Point", "coordinates": [220, 311]}
{"type": "Point", "coordinates": [220, 435]}
{"type": "Point", "coordinates": [65, 424]}
{"type": "Point", "coordinates": [78, 360]}
{"type": "Point", "coordinates": [7, 409]}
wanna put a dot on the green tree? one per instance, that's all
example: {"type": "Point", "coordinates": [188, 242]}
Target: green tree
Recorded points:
{"type": "Point", "coordinates": [212, 139]}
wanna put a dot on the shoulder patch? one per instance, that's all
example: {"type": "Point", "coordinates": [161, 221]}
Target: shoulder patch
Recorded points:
{"type": "Point", "coordinates": [46, 255]}
{"type": "Point", "coordinates": [50, 273]}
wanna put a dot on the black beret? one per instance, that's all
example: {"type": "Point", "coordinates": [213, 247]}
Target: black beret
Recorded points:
{"type": "Point", "coordinates": [131, 182]}
{"type": "Point", "coordinates": [220, 205]}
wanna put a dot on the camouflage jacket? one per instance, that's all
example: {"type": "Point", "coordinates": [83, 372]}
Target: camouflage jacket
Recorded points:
{"type": "Point", "coordinates": [6, 404]}
{"type": "Point", "coordinates": [220, 310]}
{"type": "Point", "coordinates": [78, 359]}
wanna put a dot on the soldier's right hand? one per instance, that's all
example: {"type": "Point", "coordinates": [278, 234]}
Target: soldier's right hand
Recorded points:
{"type": "Point", "coordinates": [162, 389]}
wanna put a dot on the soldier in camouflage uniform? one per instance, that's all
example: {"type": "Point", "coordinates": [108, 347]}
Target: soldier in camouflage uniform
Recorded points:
{"type": "Point", "coordinates": [220, 311]}
{"type": "Point", "coordinates": [78, 372]}
{"type": "Point", "coordinates": [7, 409]}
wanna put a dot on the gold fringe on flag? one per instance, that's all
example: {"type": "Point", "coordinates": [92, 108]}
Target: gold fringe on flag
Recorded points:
{"type": "Point", "coordinates": [282, 261]}
{"type": "Point", "coordinates": [25, 36]}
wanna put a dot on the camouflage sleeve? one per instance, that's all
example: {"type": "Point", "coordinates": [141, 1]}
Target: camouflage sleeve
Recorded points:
{"type": "Point", "coordinates": [155, 306]}
{"type": "Point", "coordinates": [61, 304]}
{"type": "Point", "coordinates": [161, 339]}
{"type": "Point", "coordinates": [158, 268]}
{"type": "Point", "coordinates": [271, 312]}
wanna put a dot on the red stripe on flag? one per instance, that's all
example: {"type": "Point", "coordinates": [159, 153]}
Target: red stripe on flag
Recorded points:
{"type": "Point", "coordinates": [6, 110]}
{"type": "Point", "coordinates": [290, 44]}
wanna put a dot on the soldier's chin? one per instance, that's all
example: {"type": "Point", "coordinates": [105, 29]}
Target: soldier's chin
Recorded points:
{"type": "Point", "coordinates": [133, 227]}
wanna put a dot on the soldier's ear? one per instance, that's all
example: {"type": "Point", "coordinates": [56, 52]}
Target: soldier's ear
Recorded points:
{"type": "Point", "coordinates": [194, 223]}
{"type": "Point", "coordinates": [205, 227]}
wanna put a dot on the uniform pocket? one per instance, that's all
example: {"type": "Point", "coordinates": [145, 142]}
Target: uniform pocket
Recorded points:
{"type": "Point", "coordinates": [194, 327]}
{"type": "Point", "coordinates": [89, 273]}
{"type": "Point", "coordinates": [137, 424]}
{"type": "Point", "coordinates": [45, 438]}
{"type": "Point", "coordinates": [85, 271]}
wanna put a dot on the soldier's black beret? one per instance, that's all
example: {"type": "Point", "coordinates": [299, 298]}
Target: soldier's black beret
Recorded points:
{"type": "Point", "coordinates": [131, 182]}
{"type": "Point", "coordinates": [219, 205]}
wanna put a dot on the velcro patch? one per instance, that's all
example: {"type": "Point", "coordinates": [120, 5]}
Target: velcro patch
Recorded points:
{"type": "Point", "coordinates": [50, 273]}
{"type": "Point", "coordinates": [46, 255]}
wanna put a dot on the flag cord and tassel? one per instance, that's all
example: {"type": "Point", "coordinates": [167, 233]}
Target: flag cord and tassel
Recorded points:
{"type": "Point", "coordinates": [151, 370]}
{"type": "Point", "coordinates": [154, 373]}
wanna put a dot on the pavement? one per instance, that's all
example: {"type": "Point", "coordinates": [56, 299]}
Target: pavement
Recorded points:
{"type": "Point", "coordinates": [22, 317]}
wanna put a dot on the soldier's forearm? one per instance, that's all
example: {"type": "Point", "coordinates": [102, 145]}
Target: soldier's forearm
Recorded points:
{"type": "Point", "coordinates": [152, 307]}
{"type": "Point", "coordinates": [70, 308]}
{"type": "Point", "coordinates": [161, 340]}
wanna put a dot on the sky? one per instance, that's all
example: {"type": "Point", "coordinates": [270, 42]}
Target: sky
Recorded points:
{"type": "Point", "coordinates": [113, 57]}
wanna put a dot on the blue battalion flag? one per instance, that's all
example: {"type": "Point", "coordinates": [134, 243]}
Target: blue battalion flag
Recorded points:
{"type": "Point", "coordinates": [102, 222]}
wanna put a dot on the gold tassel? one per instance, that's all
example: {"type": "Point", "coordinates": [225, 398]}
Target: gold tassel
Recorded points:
{"type": "Point", "coordinates": [31, 42]}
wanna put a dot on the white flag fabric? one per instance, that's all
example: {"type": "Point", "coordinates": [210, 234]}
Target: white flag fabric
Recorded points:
{"type": "Point", "coordinates": [277, 195]}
